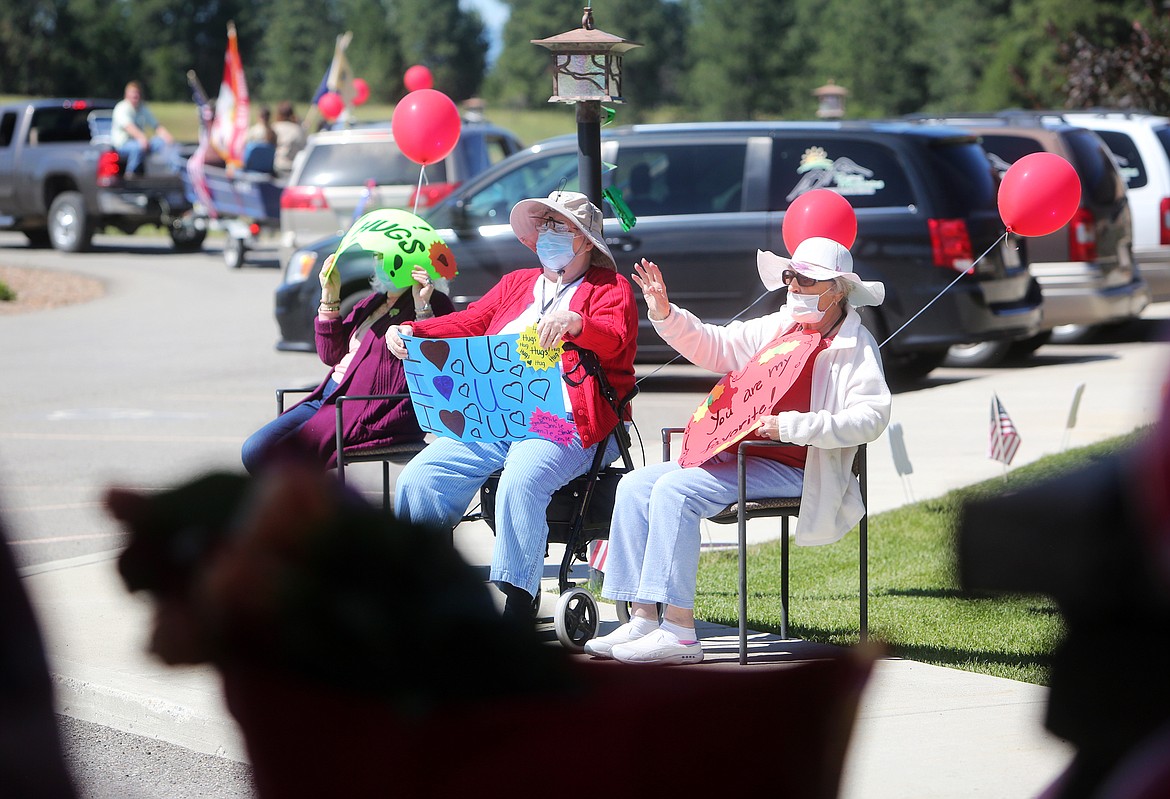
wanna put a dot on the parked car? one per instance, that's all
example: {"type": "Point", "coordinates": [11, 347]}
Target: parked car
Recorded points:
{"type": "Point", "coordinates": [1141, 145]}
{"type": "Point", "coordinates": [1086, 269]}
{"type": "Point", "coordinates": [61, 180]}
{"type": "Point", "coordinates": [332, 175]}
{"type": "Point", "coordinates": [707, 196]}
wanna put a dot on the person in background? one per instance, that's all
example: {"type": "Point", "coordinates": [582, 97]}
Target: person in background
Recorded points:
{"type": "Point", "coordinates": [575, 296]}
{"type": "Point", "coordinates": [839, 401]}
{"type": "Point", "coordinates": [135, 131]}
{"type": "Point", "coordinates": [262, 132]}
{"type": "Point", "coordinates": [290, 138]}
{"type": "Point", "coordinates": [355, 349]}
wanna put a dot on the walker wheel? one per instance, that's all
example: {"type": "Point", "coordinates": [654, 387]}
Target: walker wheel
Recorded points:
{"type": "Point", "coordinates": [576, 618]}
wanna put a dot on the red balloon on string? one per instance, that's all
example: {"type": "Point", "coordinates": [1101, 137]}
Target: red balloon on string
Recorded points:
{"type": "Point", "coordinates": [426, 126]}
{"type": "Point", "coordinates": [819, 212]}
{"type": "Point", "coordinates": [1039, 194]}
{"type": "Point", "coordinates": [331, 105]}
{"type": "Point", "coordinates": [361, 91]}
{"type": "Point", "coordinates": [418, 77]}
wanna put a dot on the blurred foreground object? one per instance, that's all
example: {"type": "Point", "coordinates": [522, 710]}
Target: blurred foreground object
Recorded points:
{"type": "Point", "coordinates": [366, 657]}
{"type": "Point", "coordinates": [1097, 541]}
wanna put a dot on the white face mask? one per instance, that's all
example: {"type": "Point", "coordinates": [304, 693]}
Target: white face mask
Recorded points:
{"type": "Point", "coordinates": [555, 250]}
{"type": "Point", "coordinates": [804, 307]}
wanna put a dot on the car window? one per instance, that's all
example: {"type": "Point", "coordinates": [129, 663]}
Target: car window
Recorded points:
{"type": "Point", "coordinates": [60, 125]}
{"type": "Point", "coordinates": [7, 128]}
{"type": "Point", "coordinates": [1163, 134]}
{"type": "Point", "coordinates": [353, 163]}
{"type": "Point", "coordinates": [1008, 148]}
{"type": "Point", "coordinates": [681, 179]}
{"type": "Point", "coordinates": [867, 173]}
{"type": "Point", "coordinates": [1095, 164]}
{"type": "Point", "coordinates": [966, 174]}
{"type": "Point", "coordinates": [1125, 153]}
{"type": "Point", "coordinates": [536, 178]}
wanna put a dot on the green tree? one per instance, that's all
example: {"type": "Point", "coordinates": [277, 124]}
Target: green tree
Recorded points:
{"type": "Point", "coordinates": [449, 41]}
{"type": "Point", "coordinates": [374, 54]}
{"type": "Point", "coordinates": [297, 47]}
{"type": "Point", "coordinates": [651, 74]}
{"type": "Point", "coordinates": [743, 56]}
{"type": "Point", "coordinates": [521, 77]}
{"type": "Point", "coordinates": [1122, 64]}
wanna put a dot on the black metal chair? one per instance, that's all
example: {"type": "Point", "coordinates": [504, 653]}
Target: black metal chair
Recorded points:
{"type": "Point", "coordinates": [785, 508]}
{"type": "Point", "coordinates": [398, 454]}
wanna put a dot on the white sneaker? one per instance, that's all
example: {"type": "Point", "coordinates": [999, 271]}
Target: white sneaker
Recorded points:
{"type": "Point", "coordinates": [603, 647]}
{"type": "Point", "coordinates": [658, 647]}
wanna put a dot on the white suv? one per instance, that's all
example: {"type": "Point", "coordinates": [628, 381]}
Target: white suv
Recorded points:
{"type": "Point", "coordinates": [1140, 143]}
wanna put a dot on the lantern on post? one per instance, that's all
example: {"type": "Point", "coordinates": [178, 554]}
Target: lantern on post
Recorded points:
{"type": "Point", "coordinates": [587, 70]}
{"type": "Point", "coordinates": [830, 100]}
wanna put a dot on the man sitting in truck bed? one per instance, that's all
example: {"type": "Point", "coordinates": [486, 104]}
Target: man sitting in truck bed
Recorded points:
{"type": "Point", "coordinates": [132, 118]}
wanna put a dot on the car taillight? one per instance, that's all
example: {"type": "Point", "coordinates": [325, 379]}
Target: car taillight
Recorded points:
{"type": "Point", "coordinates": [431, 194]}
{"type": "Point", "coordinates": [1164, 219]}
{"type": "Point", "coordinates": [107, 168]}
{"type": "Point", "coordinates": [303, 198]}
{"type": "Point", "coordinates": [1082, 236]}
{"type": "Point", "coordinates": [951, 244]}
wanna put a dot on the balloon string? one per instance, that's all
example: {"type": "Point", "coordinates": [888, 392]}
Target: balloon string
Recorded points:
{"type": "Point", "coordinates": [967, 271]}
{"type": "Point", "coordinates": [418, 191]}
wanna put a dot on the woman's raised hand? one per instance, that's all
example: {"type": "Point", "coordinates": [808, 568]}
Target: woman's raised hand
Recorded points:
{"type": "Point", "coordinates": [330, 281]}
{"type": "Point", "coordinates": [648, 277]}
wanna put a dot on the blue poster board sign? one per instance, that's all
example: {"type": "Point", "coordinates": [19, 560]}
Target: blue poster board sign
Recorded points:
{"type": "Point", "coordinates": [487, 388]}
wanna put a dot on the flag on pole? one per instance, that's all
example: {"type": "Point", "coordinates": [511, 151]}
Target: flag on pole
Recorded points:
{"type": "Point", "coordinates": [197, 161]}
{"type": "Point", "coordinates": [232, 108]}
{"type": "Point", "coordinates": [338, 78]}
{"type": "Point", "coordinates": [1004, 438]}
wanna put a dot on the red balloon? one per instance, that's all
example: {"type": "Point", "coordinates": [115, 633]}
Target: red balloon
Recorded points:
{"type": "Point", "coordinates": [1039, 194]}
{"type": "Point", "coordinates": [426, 126]}
{"type": "Point", "coordinates": [331, 105]}
{"type": "Point", "coordinates": [819, 212]}
{"type": "Point", "coordinates": [361, 91]}
{"type": "Point", "coordinates": [418, 77]}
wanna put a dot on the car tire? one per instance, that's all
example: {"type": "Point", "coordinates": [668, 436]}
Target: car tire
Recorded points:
{"type": "Point", "coordinates": [908, 368]}
{"type": "Point", "coordinates": [1022, 350]}
{"type": "Point", "coordinates": [186, 236]}
{"type": "Point", "coordinates": [234, 252]}
{"type": "Point", "coordinates": [70, 229]}
{"type": "Point", "coordinates": [981, 354]}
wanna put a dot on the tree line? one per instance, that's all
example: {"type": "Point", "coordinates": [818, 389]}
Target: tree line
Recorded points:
{"type": "Point", "coordinates": [699, 59]}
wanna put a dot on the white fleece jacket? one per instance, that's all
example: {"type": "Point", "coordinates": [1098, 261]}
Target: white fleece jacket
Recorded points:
{"type": "Point", "coordinates": [850, 406]}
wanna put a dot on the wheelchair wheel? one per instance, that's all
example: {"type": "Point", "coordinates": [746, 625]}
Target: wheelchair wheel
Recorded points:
{"type": "Point", "coordinates": [576, 618]}
{"type": "Point", "coordinates": [624, 611]}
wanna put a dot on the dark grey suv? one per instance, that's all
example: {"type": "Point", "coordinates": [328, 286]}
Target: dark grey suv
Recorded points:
{"type": "Point", "coordinates": [707, 196]}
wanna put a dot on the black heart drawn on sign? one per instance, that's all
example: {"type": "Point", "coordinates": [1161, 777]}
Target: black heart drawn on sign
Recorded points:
{"type": "Point", "coordinates": [436, 352]}
{"type": "Point", "coordinates": [457, 367]}
{"type": "Point", "coordinates": [453, 420]}
{"type": "Point", "coordinates": [465, 390]}
{"type": "Point", "coordinates": [517, 418]}
{"type": "Point", "coordinates": [513, 391]}
{"type": "Point", "coordinates": [503, 351]}
{"type": "Point", "coordinates": [517, 370]}
{"type": "Point", "coordinates": [540, 387]}
{"type": "Point", "coordinates": [473, 413]}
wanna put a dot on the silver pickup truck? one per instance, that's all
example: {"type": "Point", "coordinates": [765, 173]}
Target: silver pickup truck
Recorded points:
{"type": "Point", "coordinates": [61, 180]}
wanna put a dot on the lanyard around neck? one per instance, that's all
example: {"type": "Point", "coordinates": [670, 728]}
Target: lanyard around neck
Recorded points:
{"type": "Point", "coordinates": [546, 305]}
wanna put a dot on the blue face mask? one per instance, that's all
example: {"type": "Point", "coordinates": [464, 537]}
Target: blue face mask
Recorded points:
{"type": "Point", "coordinates": [555, 250]}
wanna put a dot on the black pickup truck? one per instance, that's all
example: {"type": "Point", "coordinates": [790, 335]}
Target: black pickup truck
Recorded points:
{"type": "Point", "coordinates": [61, 180]}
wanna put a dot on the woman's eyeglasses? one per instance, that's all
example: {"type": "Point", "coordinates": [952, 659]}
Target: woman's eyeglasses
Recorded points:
{"type": "Point", "coordinates": [555, 225]}
{"type": "Point", "coordinates": [803, 281]}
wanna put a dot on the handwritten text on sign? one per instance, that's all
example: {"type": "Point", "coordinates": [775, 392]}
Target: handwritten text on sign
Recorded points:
{"type": "Point", "coordinates": [738, 402]}
{"type": "Point", "coordinates": [484, 388]}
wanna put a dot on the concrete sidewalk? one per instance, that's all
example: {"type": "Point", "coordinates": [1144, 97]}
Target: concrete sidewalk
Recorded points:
{"type": "Point", "coordinates": [922, 731]}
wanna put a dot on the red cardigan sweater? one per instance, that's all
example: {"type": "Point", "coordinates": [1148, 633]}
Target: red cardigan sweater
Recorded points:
{"type": "Point", "coordinates": [609, 317]}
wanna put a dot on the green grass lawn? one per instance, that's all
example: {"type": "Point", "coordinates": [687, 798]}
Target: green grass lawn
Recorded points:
{"type": "Point", "coordinates": [915, 604]}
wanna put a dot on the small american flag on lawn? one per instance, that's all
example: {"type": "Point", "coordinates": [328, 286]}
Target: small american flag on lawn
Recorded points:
{"type": "Point", "coordinates": [1004, 438]}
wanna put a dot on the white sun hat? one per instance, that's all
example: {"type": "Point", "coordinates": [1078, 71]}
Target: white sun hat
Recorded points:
{"type": "Point", "coordinates": [821, 259]}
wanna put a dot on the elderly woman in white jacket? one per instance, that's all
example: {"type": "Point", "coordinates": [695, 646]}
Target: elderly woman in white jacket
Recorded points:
{"type": "Point", "coordinates": [839, 401]}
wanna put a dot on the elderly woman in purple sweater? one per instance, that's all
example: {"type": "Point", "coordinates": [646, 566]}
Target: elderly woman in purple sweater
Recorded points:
{"type": "Point", "coordinates": [355, 349]}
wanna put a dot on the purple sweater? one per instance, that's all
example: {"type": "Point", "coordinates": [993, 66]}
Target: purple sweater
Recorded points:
{"type": "Point", "coordinates": [373, 370]}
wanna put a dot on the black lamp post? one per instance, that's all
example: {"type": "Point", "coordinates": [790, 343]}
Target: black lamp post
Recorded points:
{"type": "Point", "coordinates": [587, 70]}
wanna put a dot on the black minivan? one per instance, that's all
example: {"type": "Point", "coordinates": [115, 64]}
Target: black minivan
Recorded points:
{"type": "Point", "coordinates": [706, 196]}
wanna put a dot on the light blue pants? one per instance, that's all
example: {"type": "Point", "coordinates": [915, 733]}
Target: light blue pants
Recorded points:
{"type": "Point", "coordinates": [654, 535]}
{"type": "Point", "coordinates": [439, 483]}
